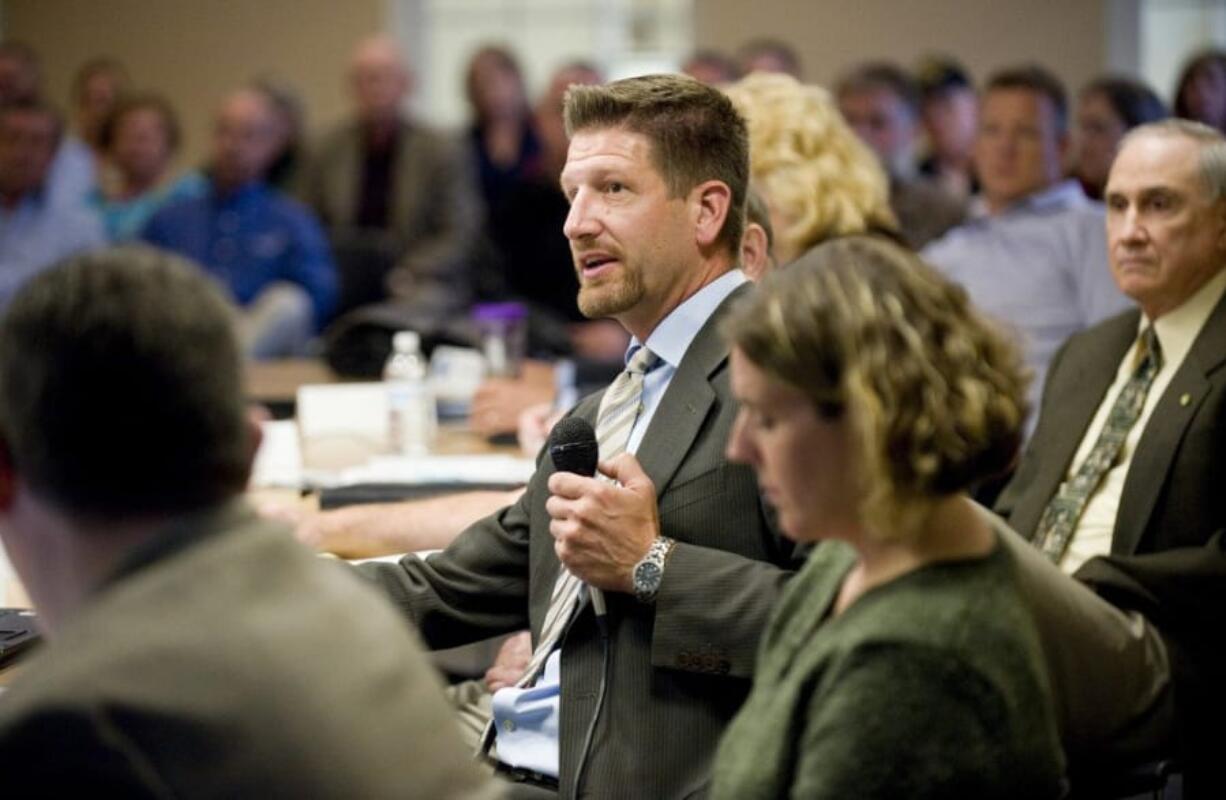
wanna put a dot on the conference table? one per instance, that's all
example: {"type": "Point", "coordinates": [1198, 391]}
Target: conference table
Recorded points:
{"type": "Point", "coordinates": [274, 385]}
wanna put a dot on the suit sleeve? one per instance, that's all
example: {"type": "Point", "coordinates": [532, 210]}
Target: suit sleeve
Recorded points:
{"type": "Point", "coordinates": [475, 589]}
{"type": "Point", "coordinates": [712, 609]}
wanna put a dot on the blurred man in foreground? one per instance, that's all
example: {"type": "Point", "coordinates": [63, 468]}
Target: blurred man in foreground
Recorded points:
{"type": "Point", "coordinates": [194, 650]}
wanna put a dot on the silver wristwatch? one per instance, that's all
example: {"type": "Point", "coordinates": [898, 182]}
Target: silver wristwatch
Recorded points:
{"type": "Point", "coordinates": [649, 572]}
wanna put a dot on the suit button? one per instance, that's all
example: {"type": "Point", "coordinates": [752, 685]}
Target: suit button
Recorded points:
{"type": "Point", "coordinates": [683, 659]}
{"type": "Point", "coordinates": [508, 725]}
{"type": "Point", "coordinates": [723, 667]}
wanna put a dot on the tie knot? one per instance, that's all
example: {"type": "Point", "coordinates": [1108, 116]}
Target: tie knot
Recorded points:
{"type": "Point", "coordinates": [642, 362]}
{"type": "Point", "coordinates": [1150, 349]}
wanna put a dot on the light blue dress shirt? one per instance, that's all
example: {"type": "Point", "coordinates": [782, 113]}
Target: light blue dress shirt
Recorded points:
{"type": "Point", "coordinates": [526, 720]}
{"type": "Point", "coordinates": [1040, 267]}
{"type": "Point", "coordinates": [36, 233]}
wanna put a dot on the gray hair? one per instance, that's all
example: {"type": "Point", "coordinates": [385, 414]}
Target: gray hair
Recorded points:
{"type": "Point", "coordinates": [1212, 161]}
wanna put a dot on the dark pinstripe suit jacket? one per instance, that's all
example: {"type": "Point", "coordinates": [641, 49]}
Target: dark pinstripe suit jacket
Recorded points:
{"type": "Point", "coordinates": [681, 668]}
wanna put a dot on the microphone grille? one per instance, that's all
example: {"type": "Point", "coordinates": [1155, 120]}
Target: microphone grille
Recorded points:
{"type": "Point", "coordinates": [572, 446]}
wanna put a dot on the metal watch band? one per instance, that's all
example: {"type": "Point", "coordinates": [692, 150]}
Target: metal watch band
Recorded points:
{"type": "Point", "coordinates": [649, 572]}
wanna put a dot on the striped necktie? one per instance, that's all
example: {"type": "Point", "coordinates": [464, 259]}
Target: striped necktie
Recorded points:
{"type": "Point", "coordinates": [619, 408]}
{"type": "Point", "coordinates": [1060, 518]}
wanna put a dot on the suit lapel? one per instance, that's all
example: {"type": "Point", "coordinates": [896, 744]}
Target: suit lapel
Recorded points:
{"type": "Point", "coordinates": [1085, 377]}
{"type": "Point", "coordinates": [1151, 463]}
{"type": "Point", "coordinates": [687, 401]}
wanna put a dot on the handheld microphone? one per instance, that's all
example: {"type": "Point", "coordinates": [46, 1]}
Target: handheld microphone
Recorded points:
{"type": "Point", "coordinates": [573, 448]}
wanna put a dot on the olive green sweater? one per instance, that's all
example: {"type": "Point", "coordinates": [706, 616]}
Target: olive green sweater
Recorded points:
{"type": "Point", "coordinates": [930, 686]}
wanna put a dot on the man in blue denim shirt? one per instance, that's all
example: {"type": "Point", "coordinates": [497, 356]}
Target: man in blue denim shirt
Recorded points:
{"type": "Point", "coordinates": [264, 247]}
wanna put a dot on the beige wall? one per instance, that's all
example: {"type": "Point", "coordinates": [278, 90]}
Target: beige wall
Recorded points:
{"type": "Point", "coordinates": [195, 50]}
{"type": "Point", "coordinates": [1069, 36]}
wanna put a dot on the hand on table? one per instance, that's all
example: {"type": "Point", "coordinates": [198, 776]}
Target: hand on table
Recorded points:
{"type": "Point", "coordinates": [499, 401]}
{"type": "Point", "coordinates": [510, 663]}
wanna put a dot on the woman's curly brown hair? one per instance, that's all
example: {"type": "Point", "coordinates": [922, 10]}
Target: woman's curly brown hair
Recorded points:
{"type": "Point", "coordinates": [934, 393]}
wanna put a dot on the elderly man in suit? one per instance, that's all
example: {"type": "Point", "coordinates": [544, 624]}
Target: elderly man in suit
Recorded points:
{"type": "Point", "coordinates": [391, 190]}
{"type": "Point", "coordinates": [195, 651]}
{"type": "Point", "coordinates": [630, 702]}
{"type": "Point", "coordinates": [1119, 484]}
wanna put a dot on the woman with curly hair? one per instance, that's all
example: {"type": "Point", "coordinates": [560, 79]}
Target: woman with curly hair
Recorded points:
{"type": "Point", "coordinates": [817, 178]}
{"type": "Point", "coordinates": [902, 660]}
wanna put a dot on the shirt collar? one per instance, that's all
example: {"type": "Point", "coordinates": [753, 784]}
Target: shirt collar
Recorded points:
{"type": "Point", "coordinates": [1065, 194]}
{"type": "Point", "coordinates": [673, 335]}
{"type": "Point", "coordinates": [1178, 328]}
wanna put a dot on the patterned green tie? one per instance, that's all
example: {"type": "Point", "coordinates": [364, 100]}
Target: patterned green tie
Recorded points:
{"type": "Point", "coordinates": [1061, 515]}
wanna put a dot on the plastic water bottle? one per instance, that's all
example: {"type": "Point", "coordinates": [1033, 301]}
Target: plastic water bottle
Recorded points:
{"type": "Point", "coordinates": [412, 415]}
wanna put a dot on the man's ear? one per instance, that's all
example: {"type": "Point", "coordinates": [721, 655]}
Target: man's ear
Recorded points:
{"type": "Point", "coordinates": [257, 415]}
{"type": "Point", "coordinates": [755, 252]}
{"type": "Point", "coordinates": [712, 201]}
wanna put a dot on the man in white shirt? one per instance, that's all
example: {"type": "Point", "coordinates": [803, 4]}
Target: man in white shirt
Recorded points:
{"type": "Point", "coordinates": [1123, 461]}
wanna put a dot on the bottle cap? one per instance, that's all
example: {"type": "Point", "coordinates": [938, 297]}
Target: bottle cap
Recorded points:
{"type": "Point", "coordinates": [406, 342]}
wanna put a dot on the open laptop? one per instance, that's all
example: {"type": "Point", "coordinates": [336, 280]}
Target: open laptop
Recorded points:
{"type": "Point", "coordinates": [18, 633]}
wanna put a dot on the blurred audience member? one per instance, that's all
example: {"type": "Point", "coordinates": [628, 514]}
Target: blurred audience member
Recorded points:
{"type": "Point", "coordinates": [1034, 255]}
{"type": "Point", "coordinates": [548, 113]}
{"type": "Point", "coordinates": [949, 112]}
{"type": "Point", "coordinates": [392, 189]}
{"type": "Point", "coordinates": [504, 142]}
{"type": "Point", "coordinates": [140, 140]}
{"type": "Point", "coordinates": [20, 73]}
{"type": "Point", "coordinates": [1107, 108]}
{"type": "Point", "coordinates": [909, 601]}
{"type": "Point", "coordinates": [283, 173]}
{"type": "Point", "coordinates": [73, 174]}
{"type": "Point", "coordinates": [711, 67]}
{"type": "Point", "coordinates": [769, 55]}
{"type": "Point", "coordinates": [816, 178]}
{"type": "Point", "coordinates": [1200, 94]}
{"type": "Point", "coordinates": [37, 231]}
{"type": "Point", "coordinates": [1124, 462]}
{"type": "Point", "coordinates": [537, 268]}
{"type": "Point", "coordinates": [266, 249]}
{"type": "Point", "coordinates": [194, 649]}
{"type": "Point", "coordinates": [96, 88]}
{"type": "Point", "coordinates": [881, 103]}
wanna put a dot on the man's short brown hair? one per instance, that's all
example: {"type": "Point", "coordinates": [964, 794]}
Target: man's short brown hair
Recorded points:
{"type": "Point", "coordinates": [695, 133]}
{"type": "Point", "coordinates": [1036, 79]}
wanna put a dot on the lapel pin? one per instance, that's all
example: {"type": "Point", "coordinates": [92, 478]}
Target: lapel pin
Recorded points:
{"type": "Point", "coordinates": [1184, 399]}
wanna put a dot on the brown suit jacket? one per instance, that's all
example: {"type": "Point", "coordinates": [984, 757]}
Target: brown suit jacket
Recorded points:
{"type": "Point", "coordinates": [681, 667]}
{"type": "Point", "coordinates": [229, 661]}
{"type": "Point", "coordinates": [1165, 561]}
{"type": "Point", "coordinates": [435, 217]}
{"type": "Point", "coordinates": [1173, 495]}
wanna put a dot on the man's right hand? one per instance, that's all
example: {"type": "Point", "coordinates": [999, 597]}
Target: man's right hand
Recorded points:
{"type": "Point", "coordinates": [512, 660]}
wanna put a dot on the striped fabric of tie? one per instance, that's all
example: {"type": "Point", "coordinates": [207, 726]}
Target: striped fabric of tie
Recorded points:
{"type": "Point", "coordinates": [619, 408]}
{"type": "Point", "coordinates": [1059, 519]}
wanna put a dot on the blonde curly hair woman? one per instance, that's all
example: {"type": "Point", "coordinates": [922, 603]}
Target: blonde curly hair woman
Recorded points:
{"type": "Point", "coordinates": [818, 179]}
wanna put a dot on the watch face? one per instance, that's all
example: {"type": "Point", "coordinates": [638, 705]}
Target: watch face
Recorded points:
{"type": "Point", "coordinates": [647, 575]}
